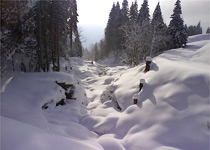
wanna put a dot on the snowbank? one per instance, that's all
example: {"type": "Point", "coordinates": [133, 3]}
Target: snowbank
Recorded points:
{"type": "Point", "coordinates": [172, 109]}
{"type": "Point", "coordinates": [54, 128]}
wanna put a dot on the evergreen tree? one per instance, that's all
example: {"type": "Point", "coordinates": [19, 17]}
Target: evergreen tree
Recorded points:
{"type": "Point", "coordinates": [95, 52]}
{"type": "Point", "coordinates": [77, 45]}
{"type": "Point", "coordinates": [55, 26]}
{"type": "Point", "coordinates": [11, 16]}
{"type": "Point", "coordinates": [73, 20]}
{"type": "Point", "coordinates": [121, 20]}
{"type": "Point", "coordinates": [194, 30]}
{"type": "Point", "coordinates": [176, 27]}
{"type": "Point", "coordinates": [208, 30]}
{"type": "Point", "coordinates": [102, 53]}
{"type": "Point", "coordinates": [33, 37]}
{"type": "Point", "coordinates": [157, 19]}
{"type": "Point", "coordinates": [160, 37]}
{"type": "Point", "coordinates": [144, 13]}
{"type": "Point", "coordinates": [118, 32]}
{"type": "Point", "coordinates": [133, 16]}
{"type": "Point", "coordinates": [145, 30]}
{"type": "Point", "coordinates": [132, 45]}
{"type": "Point", "coordinates": [124, 12]}
{"type": "Point", "coordinates": [110, 31]}
{"type": "Point", "coordinates": [199, 28]}
{"type": "Point", "coordinates": [191, 30]}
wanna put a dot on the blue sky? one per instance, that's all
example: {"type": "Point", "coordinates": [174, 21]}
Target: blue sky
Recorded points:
{"type": "Point", "coordinates": [93, 15]}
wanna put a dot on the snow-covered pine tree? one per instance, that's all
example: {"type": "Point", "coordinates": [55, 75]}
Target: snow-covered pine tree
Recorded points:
{"type": "Point", "coordinates": [132, 45]}
{"type": "Point", "coordinates": [133, 15]}
{"type": "Point", "coordinates": [157, 19]}
{"type": "Point", "coordinates": [160, 38]}
{"type": "Point", "coordinates": [11, 16]}
{"type": "Point", "coordinates": [29, 39]}
{"type": "Point", "coordinates": [124, 12]}
{"type": "Point", "coordinates": [176, 27]}
{"type": "Point", "coordinates": [146, 31]}
{"type": "Point", "coordinates": [144, 13]}
{"type": "Point", "coordinates": [121, 20]}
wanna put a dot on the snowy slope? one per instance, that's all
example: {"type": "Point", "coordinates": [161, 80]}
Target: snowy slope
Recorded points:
{"type": "Point", "coordinates": [26, 126]}
{"type": "Point", "coordinates": [172, 110]}
{"type": "Point", "coordinates": [171, 113]}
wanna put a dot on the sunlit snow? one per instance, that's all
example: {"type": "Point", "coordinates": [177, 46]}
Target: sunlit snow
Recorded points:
{"type": "Point", "coordinates": [171, 112]}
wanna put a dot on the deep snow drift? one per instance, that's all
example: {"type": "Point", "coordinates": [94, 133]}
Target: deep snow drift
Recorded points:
{"type": "Point", "coordinates": [171, 113]}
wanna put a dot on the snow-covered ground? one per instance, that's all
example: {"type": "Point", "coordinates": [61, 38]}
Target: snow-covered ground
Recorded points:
{"type": "Point", "coordinates": [172, 112]}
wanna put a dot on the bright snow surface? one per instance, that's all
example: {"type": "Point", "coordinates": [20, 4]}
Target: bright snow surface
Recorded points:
{"type": "Point", "coordinates": [172, 112]}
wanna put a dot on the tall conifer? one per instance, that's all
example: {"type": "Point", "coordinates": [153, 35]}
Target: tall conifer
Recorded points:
{"type": "Point", "coordinates": [133, 16]}
{"type": "Point", "coordinates": [144, 12]}
{"type": "Point", "coordinates": [176, 27]}
{"type": "Point", "coordinates": [160, 38]}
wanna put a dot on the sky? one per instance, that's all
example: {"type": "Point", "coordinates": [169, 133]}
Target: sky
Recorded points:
{"type": "Point", "coordinates": [94, 14]}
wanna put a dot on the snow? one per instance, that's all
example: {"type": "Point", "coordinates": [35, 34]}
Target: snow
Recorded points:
{"type": "Point", "coordinates": [171, 113]}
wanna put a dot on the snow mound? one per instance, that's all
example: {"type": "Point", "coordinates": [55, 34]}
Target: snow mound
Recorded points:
{"type": "Point", "coordinates": [54, 128]}
{"type": "Point", "coordinates": [172, 108]}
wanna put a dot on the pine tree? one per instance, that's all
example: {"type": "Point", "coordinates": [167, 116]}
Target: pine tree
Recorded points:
{"type": "Point", "coordinates": [144, 13]}
{"type": "Point", "coordinates": [95, 52]}
{"type": "Point", "coordinates": [32, 38]}
{"type": "Point", "coordinates": [29, 39]}
{"type": "Point", "coordinates": [176, 27]}
{"type": "Point", "coordinates": [124, 12]}
{"type": "Point", "coordinates": [77, 45]}
{"type": "Point", "coordinates": [157, 19]}
{"type": "Point", "coordinates": [122, 18]}
{"type": "Point", "coordinates": [160, 37]}
{"type": "Point", "coordinates": [73, 20]}
{"type": "Point", "coordinates": [208, 30]}
{"type": "Point", "coordinates": [11, 47]}
{"type": "Point", "coordinates": [132, 45]}
{"type": "Point", "coordinates": [118, 32]}
{"type": "Point", "coordinates": [133, 16]}
{"type": "Point", "coordinates": [75, 42]}
{"type": "Point", "coordinates": [110, 31]}
{"type": "Point", "coordinates": [199, 28]}
{"type": "Point", "coordinates": [102, 52]}
{"type": "Point", "coordinates": [146, 31]}
{"type": "Point", "coordinates": [194, 30]}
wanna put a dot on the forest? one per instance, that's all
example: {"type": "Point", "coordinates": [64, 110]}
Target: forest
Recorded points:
{"type": "Point", "coordinates": [132, 34]}
{"type": "Point", "coordinates": [35, 34]}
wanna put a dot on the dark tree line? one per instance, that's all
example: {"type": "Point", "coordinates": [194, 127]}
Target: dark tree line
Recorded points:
{"type": "Point", "coordinates": [131, 31]}
{"type": "Point", "coordinates": [194, 30]}
{"type": "Point", "coordinates": [34, 38]}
